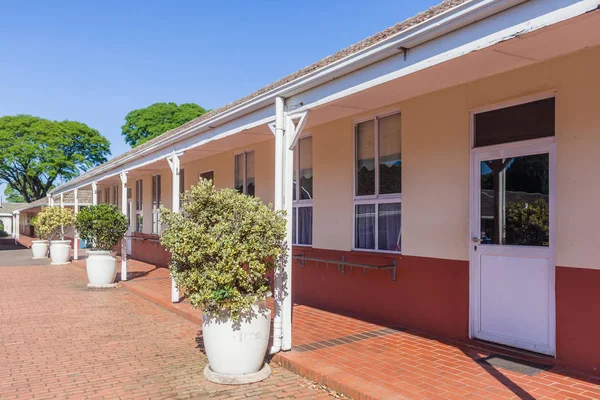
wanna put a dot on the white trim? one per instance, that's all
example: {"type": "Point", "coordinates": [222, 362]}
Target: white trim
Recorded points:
{"type": "Point", "coordinates": [546, 145]}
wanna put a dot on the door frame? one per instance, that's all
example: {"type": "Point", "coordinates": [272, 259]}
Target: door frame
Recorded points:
{"type": "Point", "coordinates": [542, 145]}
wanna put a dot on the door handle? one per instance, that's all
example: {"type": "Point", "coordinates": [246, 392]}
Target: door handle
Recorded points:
{"type": "Point", "coordinates": [475, 239]}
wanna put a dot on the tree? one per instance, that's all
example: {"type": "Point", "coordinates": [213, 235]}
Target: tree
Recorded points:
{"type": "Point", "coordinates": [38, 153]}
{"type": "Point", "coordinates": [147, 123]}
{"type": "Point", "coordinates": [12, 196]}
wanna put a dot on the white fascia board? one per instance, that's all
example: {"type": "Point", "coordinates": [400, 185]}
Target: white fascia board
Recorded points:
{"type": "Point", "coordinates": [427, 31]}
{"type": "Point", "coordinates": [519, 20]}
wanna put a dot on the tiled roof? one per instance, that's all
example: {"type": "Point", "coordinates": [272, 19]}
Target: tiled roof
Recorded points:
{"type": "Point", "coordinates": [370, 41]}
{"type": "Point", "coordinates": [8, 208]}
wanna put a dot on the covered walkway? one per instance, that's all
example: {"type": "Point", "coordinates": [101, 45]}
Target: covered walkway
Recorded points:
{"type": "Point", "coordinates": [364, 359]}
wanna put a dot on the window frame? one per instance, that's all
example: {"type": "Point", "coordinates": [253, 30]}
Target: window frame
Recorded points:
{"type": "Point", "coordinates": [297, 203]}
{"type": "Point", "coordinates": [107, 195]}
{"type": "Point", "coordinates": [244, 171]}
{"type": "Point", "coordinates": [374, 199]}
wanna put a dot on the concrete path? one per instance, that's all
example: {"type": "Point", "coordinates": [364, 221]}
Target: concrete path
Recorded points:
{"type": "Point", "coordinates": [61, 340]}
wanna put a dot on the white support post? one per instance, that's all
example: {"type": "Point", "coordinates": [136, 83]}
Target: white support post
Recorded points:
{"type": "Point", "coordinates": [62, 200]}
{"type": "Point", "coordinates": [124, 211]}
{"type": "Point", "coordinates": [95, 193]}
{"type": "Point", "coordinates": [50, 199]}
{"type": "Point", "coordinates": [278, 205]}
{"type": "Point", "coordinates": [174, 163]}
{"type": "Point", "coordinates": [17, 227]}
{"type": "Point", "coordinates": [76, 211]}
{"type": "Point", "coordinates": [291, 136]}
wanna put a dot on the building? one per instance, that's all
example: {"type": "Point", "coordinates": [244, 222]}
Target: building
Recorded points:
{"type": "Point", "coordinates": [383, 152]}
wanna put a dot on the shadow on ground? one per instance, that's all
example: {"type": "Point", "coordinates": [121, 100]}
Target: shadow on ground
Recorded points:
{"type": "Point", "coordinates": [19, 256]}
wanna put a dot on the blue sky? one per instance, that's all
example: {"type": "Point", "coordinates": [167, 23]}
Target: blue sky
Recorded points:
{"type": "Point", "coordinates": [94, 61]}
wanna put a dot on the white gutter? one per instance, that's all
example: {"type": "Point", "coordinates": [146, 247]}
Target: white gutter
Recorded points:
{"type": "Point", "coordinates": [447, 21]}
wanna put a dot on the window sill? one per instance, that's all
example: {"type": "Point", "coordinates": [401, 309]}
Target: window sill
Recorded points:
{"type": "Point", "coordinates": [371, 251]}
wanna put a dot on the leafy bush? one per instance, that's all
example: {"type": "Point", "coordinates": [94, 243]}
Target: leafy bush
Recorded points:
{"type": "Point", "coordinates": [3, 233]}
{"type": "Point", "coordinates": [223, 245]}
{"type": "Point", "coordinates": [53, 222]}
{"type": "Point", "coordinates": [102, 226]}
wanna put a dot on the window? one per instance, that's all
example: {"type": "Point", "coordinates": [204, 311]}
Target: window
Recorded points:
{"type": "Point", "coordinates": [512, 124]}
{"type": "Point", "coordinates": [139, 216]}
{"type": "Point", "coordinates": [116, 195]}
{"type": "Point", "coordinates": [303, 193]}
{"type": "Point", "coordinates": [244, 173]}
{"type": "Point", "coordinates": [181, 186]}
{"type": "Point", "coordinates": [209, 175]}
{"type": "Point", "coordinates": [107, 195]}
{"type": "Point", "coordinates": [156, 202]}
{"type": "Point", "coordinates": [378, 184]}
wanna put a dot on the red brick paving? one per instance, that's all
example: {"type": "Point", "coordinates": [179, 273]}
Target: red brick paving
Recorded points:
{"type": "Point", "coordinates": [61, 340]}
{"type": "Point", "coordinates": [397, 365]}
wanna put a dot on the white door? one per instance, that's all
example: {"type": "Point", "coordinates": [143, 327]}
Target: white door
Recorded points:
{"type": "Point", "coordinates": [512, 244]}
{"type": "Point", "coordinates": [130, 226]}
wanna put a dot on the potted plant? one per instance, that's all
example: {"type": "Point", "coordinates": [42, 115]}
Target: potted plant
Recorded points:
{"type": "Point", "coordinates": [223, 247]}
{"type": "Point", "coordinates": [39, 247]}
{"type": "Point", "coordinates": [102, 226]}
{"type": "Point", "coordinates": [57, 221]}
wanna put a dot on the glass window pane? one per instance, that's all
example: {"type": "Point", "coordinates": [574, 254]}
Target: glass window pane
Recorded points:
{"type": "Point", "coordinates": [515, 201]}
{"type": "Point", "coordinates": [365, 158]}
{"type": "Point", "coordinates": [209, 176]}
{"type": "Point", "coordinates": [389, 227]}
{"type": "Point", "coordinates": [390, 155]}
{"type": "Point", "coordinates": [512, 124]}
{"type": "Point", "coordinates": [294, 212]}
{"type": "Point", "coordinates": [305, 225]}
{"type": "Point", "coordinates": [250, 174]}
{"type": "Point", "coordinates": [294, 177]}
{"type": "Point", "coordinates": [306, 169]}
{"type": "Point", "coordinates": [239, 173]}
{"type": "Point", "coordinates": [364, 230]}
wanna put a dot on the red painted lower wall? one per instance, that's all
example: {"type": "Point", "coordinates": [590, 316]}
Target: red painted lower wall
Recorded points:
{"type": "Point", "coordinates": [578, 318]}
{"type": "Point", "coordinates": [147, 248]}
{"type": "Point", "coordinates": [429, 294]}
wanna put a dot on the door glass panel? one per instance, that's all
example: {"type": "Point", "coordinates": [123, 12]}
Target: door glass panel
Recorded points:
{"type": "Point", "coordinates": [515, 201]}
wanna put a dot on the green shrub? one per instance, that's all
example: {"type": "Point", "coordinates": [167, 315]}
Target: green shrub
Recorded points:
{"type": "Point", "coordinates": [53, 222]}
{"type": "Point", "coordinates": [102, 226]}
{"type": "Point", "coordinates": [3, 233]}
{"type": "Point", "coordinates": [223, 246]}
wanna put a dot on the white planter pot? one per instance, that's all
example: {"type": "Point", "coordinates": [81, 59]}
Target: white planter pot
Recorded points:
{"type": "Point", "coordinates": [60, 251]}
{"type": "Point", "coordinates": [101, 267]}
{"type": "Point", "coordinates": [39, 248]}
{"type": "Point", "coordinates": [237, 348]}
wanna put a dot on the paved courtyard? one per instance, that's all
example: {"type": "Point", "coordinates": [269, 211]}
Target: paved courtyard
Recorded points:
{"type": "Point", "coordinates": [61, 340]}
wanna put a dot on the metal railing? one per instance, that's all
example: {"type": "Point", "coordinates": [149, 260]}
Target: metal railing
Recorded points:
{"type": "Point", "coordinates": [342, 264]}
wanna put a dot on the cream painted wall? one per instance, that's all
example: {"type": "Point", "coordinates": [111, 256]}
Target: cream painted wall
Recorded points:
{"type": "Point", "coordinates": [436, 159]}
{"type": "Point", "coordinates": [333, 166]}
{"type": "Point", "coordinates": [223, 167]}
